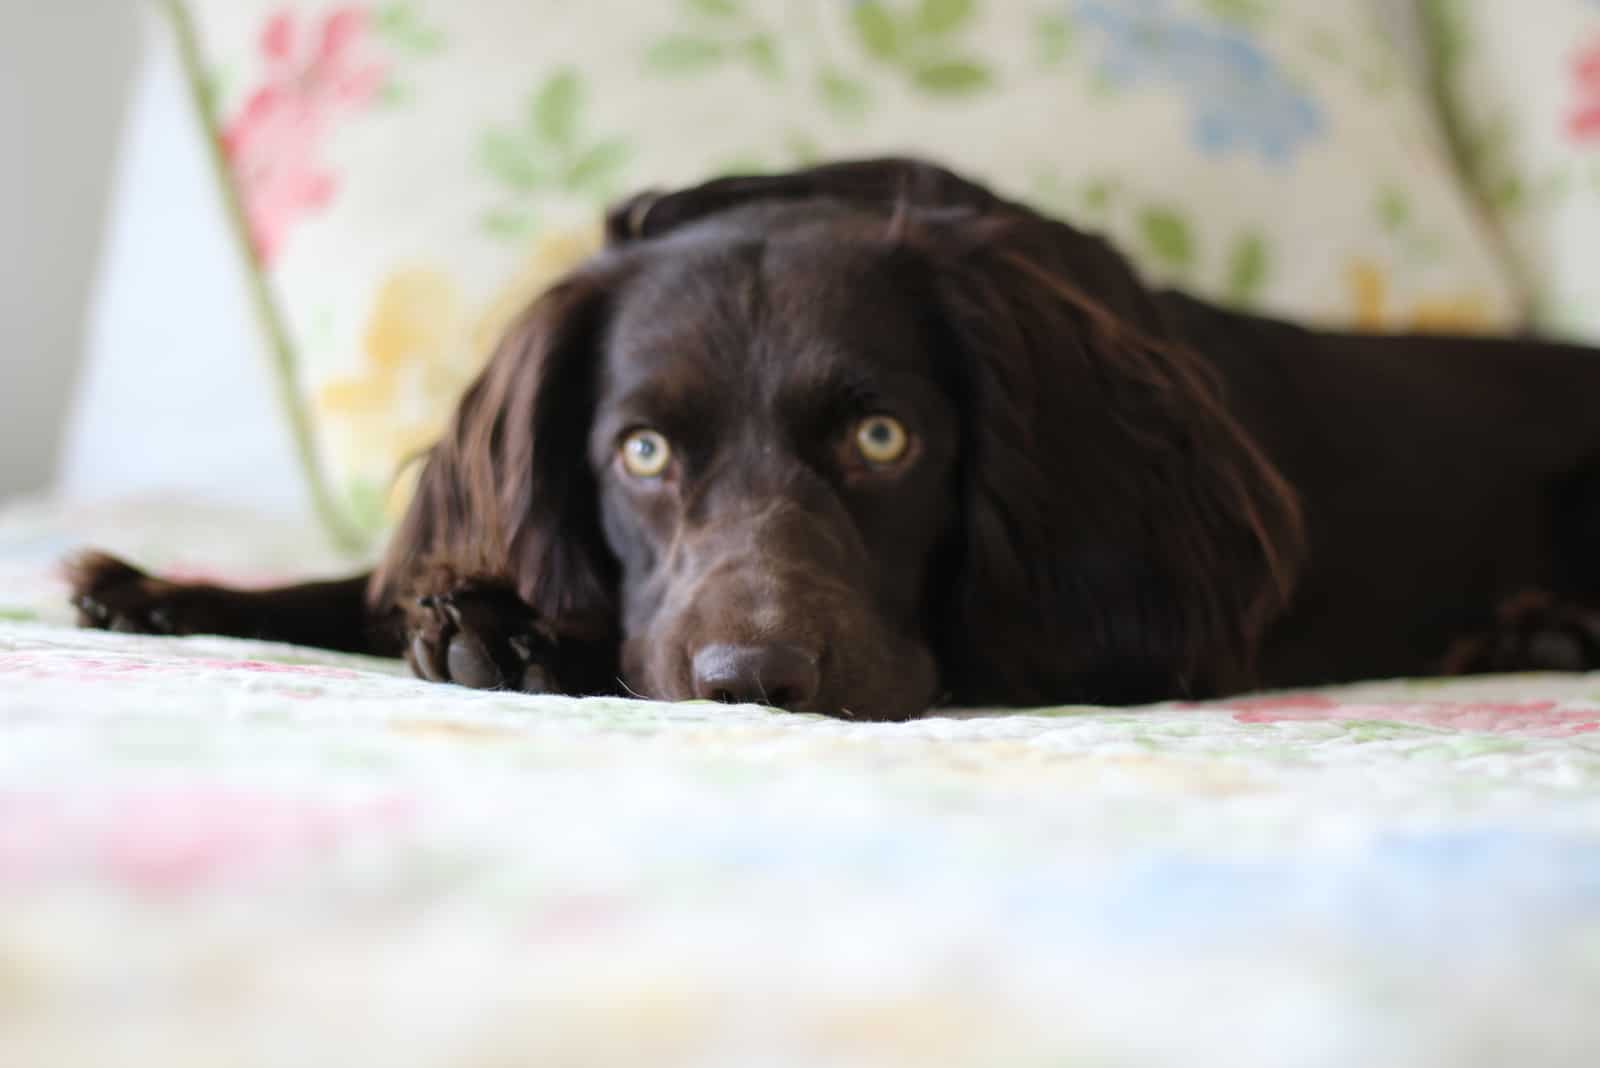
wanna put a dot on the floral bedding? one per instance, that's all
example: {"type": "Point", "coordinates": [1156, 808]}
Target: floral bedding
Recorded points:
{"type": "Point", "coordinates": [218, 852]}
{"type": "Point", "coordinates": [405, 175]}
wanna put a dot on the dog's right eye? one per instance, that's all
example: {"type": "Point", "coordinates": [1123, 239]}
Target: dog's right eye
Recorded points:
{"type": "Point", "coordinates": [645, 454]}
{"type": "Point", "coordinates": [882, 440]}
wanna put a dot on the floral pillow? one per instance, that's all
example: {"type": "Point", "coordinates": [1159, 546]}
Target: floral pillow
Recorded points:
{"type": "Point", "coordinates": [1521, 83]}
{"type": "Point", "coordinates": [408, 174]}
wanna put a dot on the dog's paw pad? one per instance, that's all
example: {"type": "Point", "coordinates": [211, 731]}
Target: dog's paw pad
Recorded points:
{"type": "Point", "coordinates": [481, 638]}
{"type": "Point", "coordinates": [1533, 632]}
{"type": "Point", "coordinates": [470, 663]}
{"type": "Point", "coordinates": [111, 594]}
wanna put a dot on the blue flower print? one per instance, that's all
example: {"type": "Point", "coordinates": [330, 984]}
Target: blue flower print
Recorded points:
{"type": "Point", "coordinates": [1240, 99]}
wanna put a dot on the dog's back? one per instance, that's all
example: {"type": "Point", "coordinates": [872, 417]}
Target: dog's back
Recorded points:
{"type": "Point", "coordinates": [1442, 477]}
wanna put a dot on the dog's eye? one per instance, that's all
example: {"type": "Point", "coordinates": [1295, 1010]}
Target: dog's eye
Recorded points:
{"type": "Point", "coordinates": [645, 454]}
{"type": "Point", "coordinates": [882, 439]}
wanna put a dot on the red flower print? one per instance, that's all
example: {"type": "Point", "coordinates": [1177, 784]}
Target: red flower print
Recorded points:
{"type": "Point", "coordinates": [118, 668]}
{"type": "Point", "coordinates": [1530, 718]}
{"type": "Point", "coordinates": [1583, 125]}
{"type": "Point", "coordinates": [316, 74]}
{"type": "Point", "coordinates": [184, 838]}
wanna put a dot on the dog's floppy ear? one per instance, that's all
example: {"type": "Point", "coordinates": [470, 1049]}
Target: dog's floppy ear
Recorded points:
{"type": "Point", "coordinates": [1124, 537]}
{"type": "Point", "coordinates": [888, 184]}
{"type": "Point", "coordinates": [508, 493]}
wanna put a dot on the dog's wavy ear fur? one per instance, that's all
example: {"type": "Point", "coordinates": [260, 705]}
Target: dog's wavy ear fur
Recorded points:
{"type": "Point", "coordinates": [507, 493]}
{"type": "Point", "coordinates": [1124, 538]}
{"type": "Point", "coordinates": [888, 184]}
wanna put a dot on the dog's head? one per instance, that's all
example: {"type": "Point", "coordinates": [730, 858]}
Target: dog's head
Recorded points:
{"type": "Point", "coordinates": [860, 438]}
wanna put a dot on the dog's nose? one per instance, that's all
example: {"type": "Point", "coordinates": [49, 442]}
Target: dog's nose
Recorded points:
{"type": "Point", "coordinates": [784, 676]}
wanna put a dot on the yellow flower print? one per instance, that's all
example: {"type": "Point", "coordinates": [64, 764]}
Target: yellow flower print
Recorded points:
{"type": "Point", "coordinates": [1369, 287]}
{"type": "Point", "coordinates": [554, 254]}
{"type": "Point", "coordinates": [421, 348]}
{"type": "Point", "coordinates": [413, 319]}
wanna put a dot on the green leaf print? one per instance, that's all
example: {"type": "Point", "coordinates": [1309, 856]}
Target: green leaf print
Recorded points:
{"type": "Point", "coordinates": [1098, 194]}
{"type": "Point", "coordinates": [951, 76]}
{"type": "Point", "coordinates": [681, 54]}
{"type": "Point", "coordinates": [802, 148]}
{"type": "Point", "coordinates": [843, 95]}
{"type": "Point", "coordinates": [739, 166]}
{"type": "Point", "coordinates": [395, 93]}
{"type": "Point", "coordinates": [878, 29]}
{"type": "Point", "coordinates": [1167, 235]}
{"type": "Point", "coordinates": [555, 108]}
{"type": "Point", "coordinates": [1394, 209]}
{"type": "Point", "coordinates": [511, 224]}
{"type": "Point", "coordinates": [1398, 218]}
{"type": "Point", "coordinates": [1248, 268]}
{"type": "Point", "coordinates": [716, 9]}
{"type": "Point", "coordinates": [1053, 36]}
{"type": "Point", "coordinates": [399, 26]}
{"type": "Point", "coordinates": [720, 33]}
{"type": "Point", "coordinates": [765, 59]}
{"type": "Point", "coordinates": [598, 166]}
{"type": "Point", "coordinates": [1087, 200]}
{"type": "Point", "coordinates": [548, 154]}
{"type": "Point", "coordinates": [403, 33]}
{"type": "Point", "coordinates": [366, 502]}
{"type": "Point", "coordinates": [1158, 233]}
{"type": "Point", "coordinates": [923, 43]}
{"type": "Point", "coordinates": [936, 17]}
{"type": "Point", "coordinates": [508, 159]}
{"type": "Point", "coordinates": [1245, 12]}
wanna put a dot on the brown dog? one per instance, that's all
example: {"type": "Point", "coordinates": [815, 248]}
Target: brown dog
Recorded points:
{"type": "Point", "coordinates": [863, 438]}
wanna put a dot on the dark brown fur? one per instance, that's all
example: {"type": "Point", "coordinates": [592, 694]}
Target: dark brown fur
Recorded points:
{"type": "Point", "coordinates": [1116, 494]}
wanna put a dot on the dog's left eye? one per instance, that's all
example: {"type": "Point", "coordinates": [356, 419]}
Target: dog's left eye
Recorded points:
{"type": "Point", "coordinates": [645, 453]}
{"type": "Point", "coordinates": [882, 440]}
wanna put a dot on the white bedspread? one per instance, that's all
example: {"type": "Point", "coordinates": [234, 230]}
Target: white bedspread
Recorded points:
{"type": "Point", "coordinates": [223, 853]}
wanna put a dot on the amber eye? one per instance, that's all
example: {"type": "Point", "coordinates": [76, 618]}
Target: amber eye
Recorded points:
{"type": "Point", "coordinates": [645, 454]}
{"type": "Point", "coordinates": [882, 440]}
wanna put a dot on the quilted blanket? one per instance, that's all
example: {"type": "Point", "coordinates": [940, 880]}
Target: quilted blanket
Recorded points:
{"type": "Point", "coordinates": [216, 852]}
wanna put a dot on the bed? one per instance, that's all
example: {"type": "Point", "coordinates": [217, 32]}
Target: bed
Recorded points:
{"type": "Point", "coordinates": [219, 852]}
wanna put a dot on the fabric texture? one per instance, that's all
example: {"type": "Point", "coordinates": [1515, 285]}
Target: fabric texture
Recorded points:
{"type": "Point", "coordinates": [223, 852]}
{"type": "Point", "coordinates": [411, 173]}
{"type": "Point", "coordinates": [1521, 83]}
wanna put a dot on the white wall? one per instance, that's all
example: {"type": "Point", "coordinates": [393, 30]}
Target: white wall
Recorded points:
{"type": "Point", "coordinates": [174, 396]}
{"type": "Point", "coordinates": [64, 71]}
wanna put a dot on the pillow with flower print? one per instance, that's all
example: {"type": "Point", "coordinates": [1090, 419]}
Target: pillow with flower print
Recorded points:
{"type": "Point", "coordinates": [408, 173]}
{"type": "Point", "coordinates": [1521, 84]}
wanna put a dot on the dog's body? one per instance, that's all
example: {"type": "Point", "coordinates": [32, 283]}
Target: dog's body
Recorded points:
{"type": "Point", "coordinates": [863, 437]}
{"type": "Point", "coordinates": [1444, 482]}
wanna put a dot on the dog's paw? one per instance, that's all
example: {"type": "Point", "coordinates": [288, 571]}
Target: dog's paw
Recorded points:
{"type": "Point", "coordinates": [1533, 631]}
{"type": "Point", "coordinates": [111, 594]}
{"type": "Point", "coordinates": [483, 637]}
